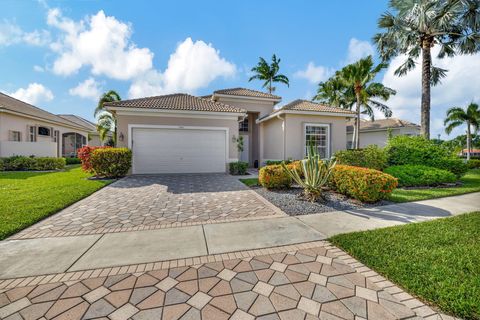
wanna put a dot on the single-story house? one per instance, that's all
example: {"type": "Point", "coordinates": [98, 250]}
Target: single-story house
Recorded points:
{"type": "Point", "coordinates": [27, 130]}
{"type": "Point", "coordinates": [93, 138]}
{"type": "Point", "coordinates": [473, 153]}
{"type": "Point", "coordinates": [377, 132]}
{"type": "Point", "coordinates": [181, 133]}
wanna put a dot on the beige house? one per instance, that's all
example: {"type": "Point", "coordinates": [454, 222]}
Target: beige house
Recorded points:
{"type": "Point", "coordinates": [93, 138]}
{"type": "Point", "coordinates": [377, 132]}
{"type": "Point", "coordinates": [180, 133]}
{"type": "Point", "coordinates": [27, 130]}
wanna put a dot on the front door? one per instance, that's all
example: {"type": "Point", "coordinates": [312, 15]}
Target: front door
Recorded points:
{"type": "Point", "coordinates": [244, 154]}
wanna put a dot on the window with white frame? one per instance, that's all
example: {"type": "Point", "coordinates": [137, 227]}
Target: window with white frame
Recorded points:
{"type": "Point", "coordinates": [243, 126]}
{"type": "Point", "coordinates": [32, 133]}
{"type": "Point", "coordinates": [15, 136]}
{"type": "Point", "coordinates": [319, 136]}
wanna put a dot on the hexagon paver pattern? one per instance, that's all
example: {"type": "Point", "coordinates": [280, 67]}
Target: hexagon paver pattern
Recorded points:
{"type": "Point", "coordinates": [151, 201]}
{"type": "Point", "coordinates": [250, 288]}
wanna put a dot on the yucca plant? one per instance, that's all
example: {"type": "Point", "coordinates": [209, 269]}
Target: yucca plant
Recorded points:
{"type": "Point", "coordinates": [316, 173]}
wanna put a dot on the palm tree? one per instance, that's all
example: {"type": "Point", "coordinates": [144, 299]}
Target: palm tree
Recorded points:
{"type": "Point", "coordinates": [458, 116]}
{"type": "Point", "coordinates": [418, 25]}
{"type": "Point", "coordinates": [269, 73]}
{"type": "Point", "coordinates": [353, 86]}
{"type": "Point", "coordinates": [106, 121]}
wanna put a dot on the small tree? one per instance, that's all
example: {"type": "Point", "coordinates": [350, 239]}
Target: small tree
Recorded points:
{"type": "Point", "coordinates": [106, 121]}
{"type": "Point", "coordinates": [458, 116]}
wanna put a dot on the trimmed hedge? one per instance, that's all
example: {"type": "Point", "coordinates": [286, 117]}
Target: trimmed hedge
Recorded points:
{"type": "Point", "coordinates": [473, 164]}
{"type": "Point", "coordinates": [73, 161]}
{"type": "Point", "coordinates": [366, 185]}
{"type": "Point", "coordinates": [84, 154]}
{"type": "Point", "coordinates": [2, 165]}
{"type": "Point", "coordinates": [238, 168]}
{"type": "Point", "coordinates": [274, 177]}
{"type": "Point", "coordinates": [403, 150]}
{"type": "Point", "coordinates": [275, 162]}
{"type": "Point", "coordinates": [418, 175]}
{"type": "Point", "coordinates": [111, 162]}
{"type": "Point", "coordinates": [371, 157]}
{"type": "Point", "coordinates": [22, 163]}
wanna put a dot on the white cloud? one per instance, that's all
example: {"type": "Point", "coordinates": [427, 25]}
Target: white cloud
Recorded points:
{"type": "Point", "coordinates": [89, 89]}
{"type": "Point", "coordinates": [314, 74]}
{"type": "Point", "coordinates": [358, 49]}
{"type": "Point", "coordinates": [192, 66]}
{"type": "Point", "coordinates": [100, 42]}
{"type": "Point", "coordinates": [11, 34]}
{"type": "Point", "coordinates": [459, 88]}
{"type": "Point", "coordinates": [34, 93]}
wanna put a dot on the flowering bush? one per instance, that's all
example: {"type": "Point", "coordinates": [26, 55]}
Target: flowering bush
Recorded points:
{"type": "Point", "coordinates": [84, 154]}
{"type": "Point", "coordinates": [274, 177]}
{"type": "Point", "coordinates": [111, 162]}
{"type": "Point", "coordinates": [366, 185]}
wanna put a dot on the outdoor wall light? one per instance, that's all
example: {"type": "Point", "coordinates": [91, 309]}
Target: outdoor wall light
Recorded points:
{"type": "Point", "coordinates": [121, 136]}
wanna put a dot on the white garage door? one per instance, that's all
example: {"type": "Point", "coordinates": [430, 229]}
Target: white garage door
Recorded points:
{"type": "Point", "coordinates": [161, 150]}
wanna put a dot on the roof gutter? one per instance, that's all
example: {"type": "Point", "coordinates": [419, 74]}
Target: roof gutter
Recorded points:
{"type": "Point", "coordinates": [311, 113]}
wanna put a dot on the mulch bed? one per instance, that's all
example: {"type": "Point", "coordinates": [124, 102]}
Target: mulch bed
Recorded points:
{"type": "Point", "coordinates": [292, 203]}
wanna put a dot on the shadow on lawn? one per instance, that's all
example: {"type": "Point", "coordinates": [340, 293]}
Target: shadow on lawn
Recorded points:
{"type": "Point", "coordinates": [22, 175]}
{"type": "Point", "coordinates": [405, 212]}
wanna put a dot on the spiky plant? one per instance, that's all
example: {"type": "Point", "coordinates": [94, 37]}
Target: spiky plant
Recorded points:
{"type": "Point", "coordinates": [316, 173]}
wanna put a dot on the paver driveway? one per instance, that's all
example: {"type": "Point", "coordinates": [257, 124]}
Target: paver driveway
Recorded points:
{"type": "Point", "coordinates": [312, 283]}
{"type": "Point", "coordinates": [146, 202]}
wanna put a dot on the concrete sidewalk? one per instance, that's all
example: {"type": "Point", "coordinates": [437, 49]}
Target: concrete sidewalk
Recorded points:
{"type": "Point", "coordinates": [31, 257]}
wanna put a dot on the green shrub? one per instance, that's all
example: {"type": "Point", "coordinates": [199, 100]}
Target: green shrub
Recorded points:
{"type": "Point", "coordinates": [274, 177]}
{"type": "Point", "coordinates": [238, 168]}
{"type": "Point", "coordinates": [22, 163]}
{"type": "Point", "coordinates": [2, 165]}
{"type": "Point", "coordinates": [403, 150]}
{"type": "Point", "coordinates": [111, 162]}
{"type": "Point", "coordinates": [418, 175]}
{"type": "Point", "coordinates": [366, 185]}
{"type": "Point", "coordinates": [371, 157]}
{"type": "Point", "coordinates": [48, 163]}
{"type": "Point", "coordinates": [277, 162]}
{"type": "Point", "coordinates": [70, 161]}
{"type": "Point", "coordinates": [471, 164]}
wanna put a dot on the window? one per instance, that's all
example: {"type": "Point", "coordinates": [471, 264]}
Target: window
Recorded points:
{"type": "Point", "coordinates": [318, 135]}
{"type": "Point", "coordinates": [349, 144]}
{"type": "Point", "coordinates": [32, 134]}
{"type": "Point", "coordinates": [56, 135]}
{"type": "Point", "coordinates": [44, 131]}
{"type": "Point", "coordinates": [243, 125]}
{"type": "Point", "coordinates": [15, 136]}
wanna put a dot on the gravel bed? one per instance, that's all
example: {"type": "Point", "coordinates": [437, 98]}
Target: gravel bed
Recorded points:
{"type": "Point", "coordinates": [290, 201]}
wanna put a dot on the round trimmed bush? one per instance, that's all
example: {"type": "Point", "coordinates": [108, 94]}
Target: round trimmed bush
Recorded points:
{"type": "Point", "coordinates": [419, 175]}
{"type": "Point", "coordinates": [274, 177]}
{"type": "Point", "coordinates": [111, 162]}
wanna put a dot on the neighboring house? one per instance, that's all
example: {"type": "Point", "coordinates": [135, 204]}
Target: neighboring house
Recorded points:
{"type": "Point", "coordinates": [27, 130]}
{"type": "Point", "coordinates": [180, 133]}
{"type": "Point", "coordinates": [473, 153]}
{"type": "Point", "coordinates": [377, 132]}
{"type": "Point", "coordinates": [93, 138]}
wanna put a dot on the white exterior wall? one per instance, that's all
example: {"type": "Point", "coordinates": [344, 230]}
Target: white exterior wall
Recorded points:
{"type": "Point", "coordinates": [380, 137]}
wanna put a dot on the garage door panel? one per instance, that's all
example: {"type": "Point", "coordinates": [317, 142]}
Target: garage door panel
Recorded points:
{"type": "Point", "coordinates": [160, 150]}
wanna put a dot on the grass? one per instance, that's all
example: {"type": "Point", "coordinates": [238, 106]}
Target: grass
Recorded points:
{"type": "Point", "coordinates": [27, 197]}
{"type": "Point", "coordinates": [437, 261]}
{"type": "Point", "coordinates": [470, 183]}
{"type": "Point", "coordinates": [250, 182]}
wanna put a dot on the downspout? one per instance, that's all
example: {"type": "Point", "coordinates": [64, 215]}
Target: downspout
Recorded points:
{"type": "Point", "coordinates": [283, 135]}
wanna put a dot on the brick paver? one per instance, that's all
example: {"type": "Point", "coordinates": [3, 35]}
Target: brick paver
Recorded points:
{"type": "Point", "coordinates": [285, 284]}
{"type": "Point", "coordinates": [145, 202]}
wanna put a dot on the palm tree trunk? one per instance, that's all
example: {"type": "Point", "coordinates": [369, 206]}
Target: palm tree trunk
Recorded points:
{"type": "Point", "coordinates": [469, 140]}
{"type": "Point", "coordinates": [356, 133]}
{"type": "Point", "coordinates": [270, 86]}
{"type": "Point", "coordinates": [426, 77]}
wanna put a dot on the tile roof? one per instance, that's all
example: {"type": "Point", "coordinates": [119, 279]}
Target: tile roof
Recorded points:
{"type": "Point", "coordinates": [247, 93]}
{"type": "Point", "coordinates": [79, 120]}
{"type": "Point", "coordinates": [305, 105]}
{"type": "Point", "coordinates": [177, 101]}
{"type": "Point", "coordinates": [382, 124]}
{"type": "Point", "coordinates": [15, 105]}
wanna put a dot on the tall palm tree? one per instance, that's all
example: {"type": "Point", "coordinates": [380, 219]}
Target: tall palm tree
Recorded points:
{"type": "Point", "coordinates": [470, 116]}
{"type": "Point", "coordinates": [415, 26]}
{"type": "Point", "coordinates": [354, 86]}
{"type": "Point", "coordinates": [269, 73]}
{"type": "Point", "coordinates": [106, 121]}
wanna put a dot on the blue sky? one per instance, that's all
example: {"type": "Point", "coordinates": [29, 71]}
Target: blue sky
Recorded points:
{"type": "Point", "coordinates": [60, 55]}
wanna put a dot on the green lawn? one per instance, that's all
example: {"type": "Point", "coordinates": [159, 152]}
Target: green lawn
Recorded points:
{"type": "Point", "coordinates": [250, 182]}
{"type": "Point", "coordinates": [471, 183]}
{"type": "Point", "coordinates": [437, 261]}
{"type": "Point", "coordinates": [27, 197]}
